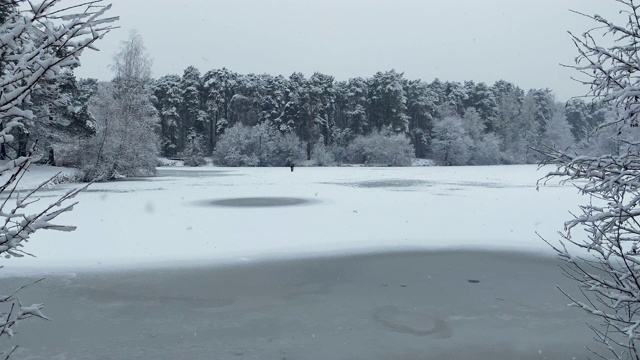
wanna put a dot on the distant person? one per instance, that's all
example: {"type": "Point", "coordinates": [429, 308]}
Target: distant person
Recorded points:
{"type": "Point", "coordinates": [290, 164]}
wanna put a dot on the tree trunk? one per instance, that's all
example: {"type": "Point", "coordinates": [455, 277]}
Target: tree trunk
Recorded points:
{"type": "Point", "coordinates": [51, 160]}
{"type": "Point", "coordinates": [23, 140]}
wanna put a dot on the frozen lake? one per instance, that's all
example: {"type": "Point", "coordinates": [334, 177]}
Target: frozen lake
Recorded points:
{"type": "Point", "coordinates": [213, 215]}
{"type": "Point", "coordinates": [421, 305]}
{"type": "Point", "coordinates": [321, 263]}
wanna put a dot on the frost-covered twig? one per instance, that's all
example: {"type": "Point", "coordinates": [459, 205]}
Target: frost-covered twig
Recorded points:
{"type": "Point", "coordinates": [606, 264]}
{"type": "Point", "coordinates": [39, 43]}
{"type": "Point", "coordinates": [610, 276]}
{"type": "Point", "coordinates": [612, 72]}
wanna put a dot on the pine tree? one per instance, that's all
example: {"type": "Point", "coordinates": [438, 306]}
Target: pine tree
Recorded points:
{"type": "Point", "coordinates": [167, 100]}
{"type": "Point", "coordinates": [421, 108]}
{"type": "Point", "coordinates": [388, 101]}
{"type": "Point", "coordinates": [320, 111]}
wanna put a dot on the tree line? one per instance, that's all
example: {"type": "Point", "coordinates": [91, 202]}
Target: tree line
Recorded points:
{"type": "Point", "coordinates": [454, 123]}
{"type": "Point", "coordinates": [105, 128]}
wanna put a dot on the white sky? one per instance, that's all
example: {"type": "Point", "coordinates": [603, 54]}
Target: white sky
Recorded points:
{"type": "Point", "coordinates": [522, 41]}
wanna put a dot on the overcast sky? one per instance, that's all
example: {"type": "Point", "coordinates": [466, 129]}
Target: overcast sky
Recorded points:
{"type": "Point", "coordinates": [522, 41]}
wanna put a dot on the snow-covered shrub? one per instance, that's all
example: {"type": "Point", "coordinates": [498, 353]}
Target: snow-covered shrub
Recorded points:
{"type": "Point", "coordinates": [322, 155]}
{"type": "Point", "coordinates": [451, 145]}
{"type": "Point", "coordinates": [339, 152]}
{"type": "Point", "coordinates": [42, 41]}
{"type": "Point", "coordinates": [194, 153]}
{"type": "Point", "coordinates": [381, 148]}
{"type": "Point", "coordinates": [257, 146]}
{"type": "Point", "coordinates": [280, 149]}
{"type": "Point", "coordinates": [486, 151]}
{"type": "Point", "coordinates": [237, 147]}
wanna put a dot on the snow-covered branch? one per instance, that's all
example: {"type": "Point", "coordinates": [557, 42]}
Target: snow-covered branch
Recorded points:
{"type": "Point", "coordinates": [37, 44]}
{"type": "Point", "coordinates": [612, 72]}
{"type": "Point", "coordinates": [604, 258]}
{"type": "Point", "coordinates": [609, 276]}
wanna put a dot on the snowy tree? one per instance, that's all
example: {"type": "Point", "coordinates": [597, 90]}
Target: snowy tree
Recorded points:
{"type": "Point", "coordinates": [381, 148]}
{"type": "Point", "coordinates": [277, 103]}
{"type": "Point", "coordinates": [388, 101]}
{"type": "Point", "coordinates": [7, 9]}
{"type": "Point", "coordinates": [190, 86]}
{"type": "Point", "coordinates": [38, 44]}
{"type": "Point", "coordinates": [576, 113]}
{"type": "Point", "coordinates": [544, 107]}
{"type": "Point", "coordinates": [524, 131]}
{"type": "Point", "coordinates": [558, 132]}
{"type": "Point", "coordinates": [481, 98]}
{"type": "Point", "coordinates": [484, 148]}
{"type": "Point", "coordinates": [511, 126]}
{"type": "Point", "coordinates": [356, 103]}
{"type": "Point", "coordinates": [421, 108]}
{"type": "Point", "coordinates": [455, 99]}
{"type": "Point", "coordinates": [319, 111]}
{"type": "Point", "coordinates": [609, 276]}
{"type": "Point", "coordinates": [473, 124]}
{"type": "Point", "coordinates": [439, 91]}
{"type": "Point", "coordinates": [126, 142]}
{"type": "Point", "coordinates": [451, 143]}
{"type": "Point", "coordinates": [218, 100]}
{"type": "Point", "coordinates": [259, 145]}
{"type": "Point", "coordinates": [237, 146]}
{"type": "Point", "coordinates": [194, 150]}
{"type": "Point", "coordinates": [279, 149]}
{"type": "Point", "coordinates": [486, 151]}
{"type": "Point", "coordinates": [62, 117]}
{"type": "Point", "coordinates": [245, 104]}
{"type": "Point", "coordinates": [167, 100]}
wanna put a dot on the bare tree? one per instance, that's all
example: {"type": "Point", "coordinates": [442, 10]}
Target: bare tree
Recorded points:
{"type": "Point", "coordinates": [605, 258]}
{"type": "Point", "coordinates": [39, 43]}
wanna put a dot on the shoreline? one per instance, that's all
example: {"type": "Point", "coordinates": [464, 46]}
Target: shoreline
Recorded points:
{"type": "Point", "coordinates": [261, 258]}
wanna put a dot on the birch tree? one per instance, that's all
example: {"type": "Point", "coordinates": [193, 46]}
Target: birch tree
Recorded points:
{"type": "Point", "coordinates": [126, 142]}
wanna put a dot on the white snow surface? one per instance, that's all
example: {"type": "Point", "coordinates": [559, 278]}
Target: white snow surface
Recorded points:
{"type": "Point", "coordinates": [170, 220]}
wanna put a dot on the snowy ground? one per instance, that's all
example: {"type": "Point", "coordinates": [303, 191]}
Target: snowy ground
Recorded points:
{"type": "Point", "coordinates": [187, 215]}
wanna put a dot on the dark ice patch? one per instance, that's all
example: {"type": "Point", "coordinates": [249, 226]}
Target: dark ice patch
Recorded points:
{"type": "Point", "coordinates": [258, 202]}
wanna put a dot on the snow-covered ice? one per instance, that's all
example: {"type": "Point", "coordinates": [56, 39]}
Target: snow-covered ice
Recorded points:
{"type": "Point", "coordinates": [213, 215]}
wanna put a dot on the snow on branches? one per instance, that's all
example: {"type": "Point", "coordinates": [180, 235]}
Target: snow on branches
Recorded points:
{"type": "Point", "coordinates": [612, 72]}
{"type": "Point", "coordinates": [605, 258]}
{"type": "Point", "coordinates": [40, 42]}
{"type": "Point", "coordinates": [608, 269]}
